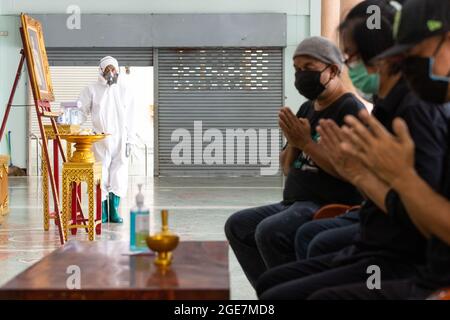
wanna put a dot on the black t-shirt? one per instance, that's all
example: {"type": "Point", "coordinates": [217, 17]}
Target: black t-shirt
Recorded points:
{"type": "Point", "coordinates": [436, 274]}
{"type": "Point", "coordinates": [308, 182]}
{"type": "Point", "coordinates": [394, 234]}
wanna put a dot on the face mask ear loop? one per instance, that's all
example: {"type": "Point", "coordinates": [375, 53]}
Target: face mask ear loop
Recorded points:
{"type": "Point", "coordinates": [329, 80]}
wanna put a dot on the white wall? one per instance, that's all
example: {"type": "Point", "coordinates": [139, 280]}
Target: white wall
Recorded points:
{"type": "Point", "coordinates": [303, 20]}
{"type": "Point", "coordinates": [10, 47]}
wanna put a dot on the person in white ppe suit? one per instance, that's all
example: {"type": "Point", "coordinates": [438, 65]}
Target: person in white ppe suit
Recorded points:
{"type": "Point", "coordinates": [111, 106]}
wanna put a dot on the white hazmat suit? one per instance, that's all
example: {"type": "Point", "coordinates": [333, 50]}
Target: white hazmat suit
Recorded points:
{"type": "Point", "coordinates": [112, 111]}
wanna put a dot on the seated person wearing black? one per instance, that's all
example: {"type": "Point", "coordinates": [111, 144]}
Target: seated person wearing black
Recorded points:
{"type": "Point", "coordinates": [393, 244]}
{"type": "Point", "coordinates": [427, 209]}
{"type": "Point", "coordinates": [263, 237]}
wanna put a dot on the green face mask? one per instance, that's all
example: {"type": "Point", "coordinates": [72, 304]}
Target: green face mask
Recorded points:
{"type": "Point", "coordinates": [362, 80]}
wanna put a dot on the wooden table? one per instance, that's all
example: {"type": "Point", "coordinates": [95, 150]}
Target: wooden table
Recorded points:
{"type": "Point", "coordinates": [199, 271]}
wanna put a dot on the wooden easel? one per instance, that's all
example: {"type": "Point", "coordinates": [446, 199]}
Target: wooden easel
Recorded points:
{"type": "Point", "coordinates": [43, 110]}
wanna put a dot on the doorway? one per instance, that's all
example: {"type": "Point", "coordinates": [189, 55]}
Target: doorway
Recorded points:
{"type": "Point", "coordinates": [68, 81]}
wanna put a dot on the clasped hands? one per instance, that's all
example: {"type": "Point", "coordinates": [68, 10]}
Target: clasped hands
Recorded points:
{"type": "Point", "coordinates": [296, 130]}
{"type": "Point", "coordinates": [364, 144]}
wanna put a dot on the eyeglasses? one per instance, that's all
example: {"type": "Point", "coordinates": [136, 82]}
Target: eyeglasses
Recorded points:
{"type": "Point", "coordinates": [350, 59]}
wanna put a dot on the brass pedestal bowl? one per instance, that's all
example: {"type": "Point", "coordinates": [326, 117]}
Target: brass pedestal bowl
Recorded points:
{"type": "Point", "coordinates": [164, 242]}
{"type": "Point", "coordinates": [163, 245]}
{"type": "Point", "coordinates": [83, 146]}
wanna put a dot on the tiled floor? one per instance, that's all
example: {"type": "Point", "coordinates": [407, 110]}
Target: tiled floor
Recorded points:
{"type": "Point", "coordinates": [198, 209]}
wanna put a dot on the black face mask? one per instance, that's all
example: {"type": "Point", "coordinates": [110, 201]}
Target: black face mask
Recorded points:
{"type": "Point", "coordinates": [308, 83]}
{"type": "Point", "coordinates": [111, 78]}
{"type": "Point", "coordinates": [418, 71]}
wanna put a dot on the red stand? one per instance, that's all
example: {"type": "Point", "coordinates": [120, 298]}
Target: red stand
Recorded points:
{"type": "Point", "coordinates": [77, 214]}
{"type": "Point", "coordinates": [43, 110]}
{"type": "Point", "coordinates": [98, 228]}
{"type": "Point", "coordinates": [55, 176]}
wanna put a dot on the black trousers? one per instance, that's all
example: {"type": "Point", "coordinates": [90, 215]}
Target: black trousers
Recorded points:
{"type": "Point", "coordinates": [325, 236]}
{"type": "Point", "coordinates": [299, 280]}
{"type": "Point", "coordinates": [390, 290]}
{"type": "Point", "coordinates": [263, 237]}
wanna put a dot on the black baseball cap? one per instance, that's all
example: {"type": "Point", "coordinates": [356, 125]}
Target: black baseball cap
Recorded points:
{"type": "Point", "coordinates": [416, 21]}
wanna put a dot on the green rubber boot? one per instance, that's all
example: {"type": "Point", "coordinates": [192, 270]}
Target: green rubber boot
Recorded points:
{"type": "Point", "coordinates": [114, 203]}
{"type": "Point", "coordinates": [105, 211]}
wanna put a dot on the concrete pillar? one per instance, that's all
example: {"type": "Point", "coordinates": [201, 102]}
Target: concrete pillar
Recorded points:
{"type": "Point", "coordinates": [331, 15]}
{"type": "Point", "coordinates": [333, 12]}
{"type": "Point", "coordinates": [346, 6]}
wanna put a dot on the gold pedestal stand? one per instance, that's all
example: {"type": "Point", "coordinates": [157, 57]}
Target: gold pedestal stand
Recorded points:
{"type": "Point", "coordinates": [82, 167]}
{"type": "Point", "coordinates": [4, 194]}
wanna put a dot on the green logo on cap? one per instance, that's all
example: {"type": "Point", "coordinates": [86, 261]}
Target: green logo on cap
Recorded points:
{"type": "Point", "coordinates": [434, 25]}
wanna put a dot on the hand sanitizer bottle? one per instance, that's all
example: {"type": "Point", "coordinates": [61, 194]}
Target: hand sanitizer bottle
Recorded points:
{"type": "Point", "coordinates": [139, 224]}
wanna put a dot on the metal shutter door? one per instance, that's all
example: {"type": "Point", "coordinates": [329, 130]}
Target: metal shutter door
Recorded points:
{"type": "Point", "coordinates": [136, 57]}
{"type": "Point", "coordinates": [225, 88]}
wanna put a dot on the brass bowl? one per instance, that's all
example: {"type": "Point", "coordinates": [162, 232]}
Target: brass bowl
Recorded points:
{"type": "Point", "coordinates": [83, 138]}
{"type": "Point", "coordinates": [83, 146]}
{"type": "Point", "coordinates": [163, 242]}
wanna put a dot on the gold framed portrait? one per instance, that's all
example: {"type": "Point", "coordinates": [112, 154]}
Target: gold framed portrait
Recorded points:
{"type": "Point", "coordinates": [38, 68]}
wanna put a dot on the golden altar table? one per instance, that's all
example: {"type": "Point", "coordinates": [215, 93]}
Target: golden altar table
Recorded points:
{"type": "Point", "coordinates": [81, 167]}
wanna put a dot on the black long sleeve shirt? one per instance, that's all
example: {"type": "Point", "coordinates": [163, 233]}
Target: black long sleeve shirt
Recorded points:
{"type": "Point", "coordinates": [394, 233]}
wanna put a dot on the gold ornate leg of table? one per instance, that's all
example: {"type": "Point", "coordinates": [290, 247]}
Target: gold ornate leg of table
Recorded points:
{"type": "Point", "coordinates": [45, 201]}
{"type": "Point", "coordinates": [66, 203]}
{"type": "Point", "coordinates": [68, 150]}
{"type": "Point", "coordinates": [91, 224]}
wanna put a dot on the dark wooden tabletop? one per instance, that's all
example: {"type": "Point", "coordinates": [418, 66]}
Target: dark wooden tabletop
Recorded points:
{"type": "Point", "coordinates": [199, 271]}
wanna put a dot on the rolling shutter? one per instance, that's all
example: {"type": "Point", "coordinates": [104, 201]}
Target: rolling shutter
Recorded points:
{"type": "Point", "coordinates": [136, 57]}
{"type": "Point", "coordinates": [224, 88]}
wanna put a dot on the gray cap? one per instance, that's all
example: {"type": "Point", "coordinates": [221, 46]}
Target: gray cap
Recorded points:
{"type": "Point", "coordinates": [322, 49]}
